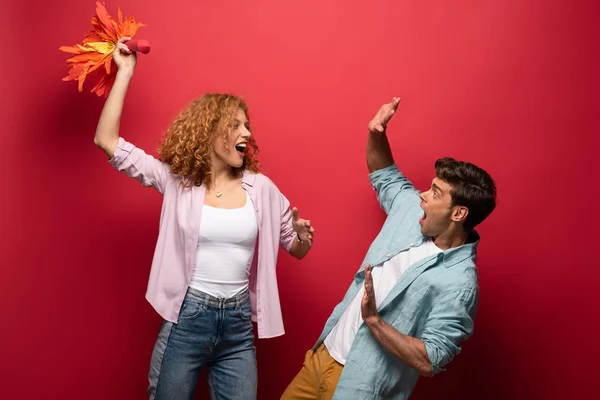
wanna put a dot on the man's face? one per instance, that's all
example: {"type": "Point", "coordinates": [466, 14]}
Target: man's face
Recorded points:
{"type": "Point", "coordinates": [437, 207]}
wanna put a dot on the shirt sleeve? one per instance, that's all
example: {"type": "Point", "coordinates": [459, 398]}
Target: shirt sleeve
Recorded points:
{"type": "Point", "coordinates": [389, 182]}
{"type": "Point", "coordinates": [135, 163]}
{"type": "Point", "coordinates": [287, 233]}
{"type": "Point", "coordinates": [448, 325]}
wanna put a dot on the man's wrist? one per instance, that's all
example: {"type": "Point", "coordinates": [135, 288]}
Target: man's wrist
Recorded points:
{"type": "Point", "coordinates": [377, 134]}
{"type": "Point", "coordinates": [374, 321]}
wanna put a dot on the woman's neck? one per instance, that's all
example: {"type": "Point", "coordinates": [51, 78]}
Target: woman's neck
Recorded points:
{"type": "Point", "coordinates": [221, 176]}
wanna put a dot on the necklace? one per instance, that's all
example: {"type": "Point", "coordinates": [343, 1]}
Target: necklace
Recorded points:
{"type": "Point", "coordinates": [220, 192]}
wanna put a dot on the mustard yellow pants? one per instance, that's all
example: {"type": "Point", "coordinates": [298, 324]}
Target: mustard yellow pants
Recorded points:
{"type": "Point", "coordinates": [317, 379]}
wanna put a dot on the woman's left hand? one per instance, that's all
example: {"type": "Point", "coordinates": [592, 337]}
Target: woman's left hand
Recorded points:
{"type": "Point", "coordinates": [302, 227]}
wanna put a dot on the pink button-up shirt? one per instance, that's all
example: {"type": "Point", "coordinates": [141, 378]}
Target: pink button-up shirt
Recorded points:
{"type": "Point", "coordinates": [175, 253]}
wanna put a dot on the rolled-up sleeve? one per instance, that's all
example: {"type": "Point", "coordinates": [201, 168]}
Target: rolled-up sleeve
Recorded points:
{"type": "Point", "coordinates": [448, 325]}
{"type": "Point", "coordinates": [135, 163]}
{"type": "Point", "coordinates": [287, 232]}
{"type": "Point", "coordinates": [389, 182]}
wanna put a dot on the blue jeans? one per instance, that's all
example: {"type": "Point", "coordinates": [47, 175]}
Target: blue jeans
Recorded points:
{"type": "Point", "coordinates": [211, 332]}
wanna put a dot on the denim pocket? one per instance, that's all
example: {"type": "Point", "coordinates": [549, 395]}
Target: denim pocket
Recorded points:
{"type": "Point", "coordinates": [190, 310]}
{"type": "Point", "coordinates": [245, 311]}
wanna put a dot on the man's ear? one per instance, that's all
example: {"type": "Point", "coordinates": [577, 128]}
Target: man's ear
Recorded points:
{"type": "Point", "coordinates": [460, 213]}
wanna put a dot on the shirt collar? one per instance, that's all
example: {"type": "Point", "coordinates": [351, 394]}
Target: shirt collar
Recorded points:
{"type": "Point", "coordinates": [456, 255]}
{"type": "Point", "coordinates": [248, 178]}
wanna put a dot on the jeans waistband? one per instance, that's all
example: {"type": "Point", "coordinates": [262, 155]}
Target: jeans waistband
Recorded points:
{"type": "Point", "coordinates": [215, 302]}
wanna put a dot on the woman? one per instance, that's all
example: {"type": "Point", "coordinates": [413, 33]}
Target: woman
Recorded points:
{"type": "Point", "coordinates": [207, 281]}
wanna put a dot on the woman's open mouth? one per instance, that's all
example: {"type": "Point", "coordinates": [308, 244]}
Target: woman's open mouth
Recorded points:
{"type": "Point", "coordinates": [240, 148]}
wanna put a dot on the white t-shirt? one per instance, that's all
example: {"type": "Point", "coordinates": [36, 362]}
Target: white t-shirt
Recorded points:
{"type": "Point", "coordinates": [225, 250]}
{"type": "Point", "coordinates": [385, 277]}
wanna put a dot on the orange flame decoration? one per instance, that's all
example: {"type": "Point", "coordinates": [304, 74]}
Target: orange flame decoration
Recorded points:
{"type": "Point", "coordinates": [95, 52]}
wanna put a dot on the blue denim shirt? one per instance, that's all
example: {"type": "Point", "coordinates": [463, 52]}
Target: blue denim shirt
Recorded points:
{"type": "Point", "coordinates": [434, 300]}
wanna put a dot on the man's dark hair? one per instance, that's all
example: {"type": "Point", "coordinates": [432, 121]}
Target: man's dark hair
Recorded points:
{"type": "Point", "coordinates": [472, 187]}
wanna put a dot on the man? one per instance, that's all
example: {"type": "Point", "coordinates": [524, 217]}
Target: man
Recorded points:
{"type": "Point", "coordinates": [413, 301]}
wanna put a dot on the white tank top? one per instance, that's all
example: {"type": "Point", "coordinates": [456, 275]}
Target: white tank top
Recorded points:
{"type": "Point", "coordinates": [225, 250]}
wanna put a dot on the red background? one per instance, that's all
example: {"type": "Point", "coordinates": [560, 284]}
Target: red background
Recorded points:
{"type": "Point", "coordinates": [510, 85]}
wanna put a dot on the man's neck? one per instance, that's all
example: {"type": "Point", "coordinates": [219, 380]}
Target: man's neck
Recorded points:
{"type": "Point", "coordinates": [451, 238]}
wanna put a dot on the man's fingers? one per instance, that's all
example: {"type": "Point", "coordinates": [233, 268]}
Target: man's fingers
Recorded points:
{"type": "Point", "coordinates": [389, 112]}
{"type": "Point", "coordinates": [391, 108]}
{"type": "Point", "coordinates": [368, 277]}
{"type": "Point", "coordinates": [295, 213]}
{"type": "Point", "coordinates": [384, 115]}
{"type": "Point", "coordinates": [395, 103]}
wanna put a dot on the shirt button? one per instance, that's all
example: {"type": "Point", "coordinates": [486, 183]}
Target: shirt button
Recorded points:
{"type": "Point", "coordinates": [388, 254]}
{"type": "Point", "coordinates": [412, 243]}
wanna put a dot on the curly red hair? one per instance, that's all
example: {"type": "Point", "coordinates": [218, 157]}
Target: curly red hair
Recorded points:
{"type": "Point", "coordinates": [188, 143]}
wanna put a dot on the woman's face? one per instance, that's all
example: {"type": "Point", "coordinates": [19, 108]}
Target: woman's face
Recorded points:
{"type": "Point", "coordinates": [232, 152]}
